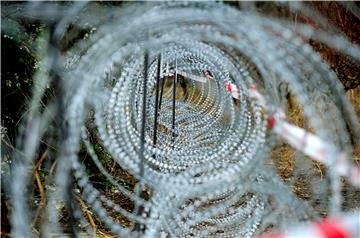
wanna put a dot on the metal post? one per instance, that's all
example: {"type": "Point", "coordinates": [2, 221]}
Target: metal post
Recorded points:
{"type": "Point", "coordinates": [157, 100]}
{"type": "Point", "coordinates": [173, 102]}
{"type": "Point", "coordinates": [161, 91]}
{"type": "Point", "coordinates": [143, 115]}
{"type": "Point", "coordinates": [140, 209]}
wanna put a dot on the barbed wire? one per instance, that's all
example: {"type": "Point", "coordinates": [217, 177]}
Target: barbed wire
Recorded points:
{"type": "Point", "coordinates": [188, 99]}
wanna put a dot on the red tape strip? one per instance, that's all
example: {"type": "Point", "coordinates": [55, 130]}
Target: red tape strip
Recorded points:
{"type": "Point", "coordinates": [331, 229]}
{"type": "Point", "coordinates": [271, 121]}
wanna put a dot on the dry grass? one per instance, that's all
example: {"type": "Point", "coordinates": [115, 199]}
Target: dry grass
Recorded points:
{"type": "Point", "coordinates": [294, 112]}
{"type": "Point", "coordinates": [354, 97]}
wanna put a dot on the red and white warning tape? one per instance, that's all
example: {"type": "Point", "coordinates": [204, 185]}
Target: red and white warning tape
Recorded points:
{"type": "Point", "coordinates": [302, 140]}
{"type": "Point", "coordinates": [317, 149]}
{"type": "Point", "coordinates": [192, 76]}
{"type": "Point", "coordinates": [233, 89]}
{"type": "Point", "coordinates": [171, 73]}
{"type": "Point", "coordinates": [347, 226]}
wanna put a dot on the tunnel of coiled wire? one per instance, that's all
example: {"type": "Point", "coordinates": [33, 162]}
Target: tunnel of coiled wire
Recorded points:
{"type": "Point", "coordinates": [202, 159]}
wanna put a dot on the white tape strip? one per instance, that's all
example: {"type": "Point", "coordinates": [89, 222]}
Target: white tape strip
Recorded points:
{"type": "Point", "coordinates": [192, 76]}
{"type": "Point", "coordinates": [302, 140]}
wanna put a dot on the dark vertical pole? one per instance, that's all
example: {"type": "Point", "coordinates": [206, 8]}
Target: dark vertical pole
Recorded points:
{"type": "Point", "coordinates": [157, 99]}
{"type": "Point", "coordinates": [173, 102]}
{"type": "Point", "coordinates": [143, 114]}
{"type": "Point", "coordinates": [162, 90]}
{"type": "Point", "coordinates": [139, 210]}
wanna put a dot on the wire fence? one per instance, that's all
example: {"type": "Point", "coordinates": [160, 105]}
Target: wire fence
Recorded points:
{"type": "Point", "coordinates": [205, 121]}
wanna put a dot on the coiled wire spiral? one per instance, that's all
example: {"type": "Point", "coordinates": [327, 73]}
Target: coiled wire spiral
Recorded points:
{"type": "Point", "coordinates": [207, 173]}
